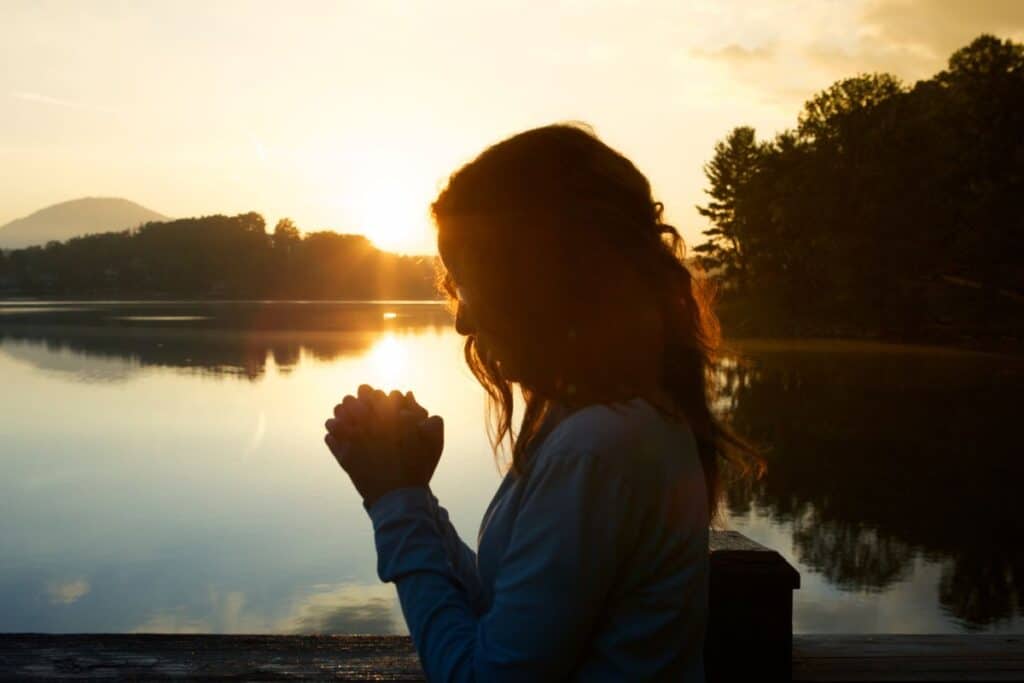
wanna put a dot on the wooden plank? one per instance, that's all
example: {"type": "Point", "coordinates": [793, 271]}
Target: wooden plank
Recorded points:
{"type": "Point", "coordinates": [392, 658]}
{"type": "Point", "coordinates": [151, 656]}
{"type": "Point", "coordinates": [894, 657]}
{"type": "Point", "coordinates": [722, 540]}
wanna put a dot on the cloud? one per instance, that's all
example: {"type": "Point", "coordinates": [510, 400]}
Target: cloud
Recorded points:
{"type": "Point", "coordinates": [839, 63]}
{"type": "Point", "coordinates": [913, 39]}
{"type": "Point", "coordinates": [736, 54]}
{"type": "Point", "coordinates": [258, 432]}
{"type": "Point", "coordinates": [323, 609]}
{"type": "Point", "coordinates": [55, 101]}
{"type": "Point", "coordinates": [173, 621]}
{"type": "Point", "coordinates": [67, 592]}
{"type": "Point", "coordinates": [939, 27]}
{"type": "Point", "coordinates": [226, 614]}
{"type": "Point", "coordinates": [771, 75]}
{"type": "Point", "coordinates": [345, 608]}
{"type": "Point", "coordinates": [783, 58]}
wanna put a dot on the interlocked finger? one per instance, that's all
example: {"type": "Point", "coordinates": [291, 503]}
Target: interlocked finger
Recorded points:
{"type": "Point", "coordinates": [411, 405]}
{"type": "Point", "coordinates": [339, 449]}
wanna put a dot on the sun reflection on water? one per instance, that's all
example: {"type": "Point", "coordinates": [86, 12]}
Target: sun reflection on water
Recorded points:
{"type": "Point", "coordinates": [389, 358]}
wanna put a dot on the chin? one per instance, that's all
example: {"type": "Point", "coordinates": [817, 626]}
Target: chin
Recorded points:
{"type": "Point", "coordinates": [503, 368]}
{"type": "Point", "coordinates": [508, 372]}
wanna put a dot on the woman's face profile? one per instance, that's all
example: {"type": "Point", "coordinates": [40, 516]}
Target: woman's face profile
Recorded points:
{"type": "Point", "coordinates": [471, 321]}
{"type": "Point", "coordinates": [464, 323]}
{"type": "Point", "coordinates": [489, 344]}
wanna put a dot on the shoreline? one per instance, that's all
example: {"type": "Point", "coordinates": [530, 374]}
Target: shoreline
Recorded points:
{"type": "Point", "coordinates": [776, 342]}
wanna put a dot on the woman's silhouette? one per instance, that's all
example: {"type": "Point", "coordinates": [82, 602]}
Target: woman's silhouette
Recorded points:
{"type": "Point", "coordinates": [592, 556]}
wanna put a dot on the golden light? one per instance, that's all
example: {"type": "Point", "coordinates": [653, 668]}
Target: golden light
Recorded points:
{"type": "Point", "coordinates": [390, 315]}
{"type": "Point", "coordinates": [388, 358]}
{"type": "Point", "coordinates": [391, 221]}
{"type": "Point", "coordinates": [386, 196]}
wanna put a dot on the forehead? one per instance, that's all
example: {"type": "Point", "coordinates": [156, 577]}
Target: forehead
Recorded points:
{"type": "Point", "coordinates": [463, 248]}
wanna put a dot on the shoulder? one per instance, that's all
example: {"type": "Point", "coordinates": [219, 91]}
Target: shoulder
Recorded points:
{"type": "Point", "coordinates": [600, 428]}
{"type": "Point", "coordinates": [623, 436]}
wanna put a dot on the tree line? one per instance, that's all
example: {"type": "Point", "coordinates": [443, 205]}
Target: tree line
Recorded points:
{"type": "Point", "coordinates": [889, 210]}
{"type": "Point", "coordinates": [217, 257]}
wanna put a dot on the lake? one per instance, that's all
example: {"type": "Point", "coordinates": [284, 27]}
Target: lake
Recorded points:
{"type": "Point", "coordinates": [164, 469]}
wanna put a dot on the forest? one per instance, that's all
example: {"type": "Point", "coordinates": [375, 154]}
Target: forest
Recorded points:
{"type": "Point", "coordinates": [889, 211]}
{"type": "Point", "coordinates": [218, 257]}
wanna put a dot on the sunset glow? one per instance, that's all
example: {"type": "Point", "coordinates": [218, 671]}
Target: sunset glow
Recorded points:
{"type": "Point", "coordinates": [358, 113]}
{"type": "Point", "coordinates": [392, 214]}
{"type": "Point", "coordinates": [381, 191]}
{"type": "Point", "coordinates": [716, 274]}
{"type": "Point", "coordinates": [388, 360]}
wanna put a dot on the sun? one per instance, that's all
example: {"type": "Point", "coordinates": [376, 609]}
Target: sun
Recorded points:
{"type": "Point", "coordinates": [387, 198]}
{"type": "Point", "coordinates": [393, 224]}
{"type": "Point", "coordinates": [393, 216]}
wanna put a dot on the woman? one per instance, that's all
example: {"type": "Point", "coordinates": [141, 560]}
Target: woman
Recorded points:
{"type": "Point", "coordinates": [592, 557]}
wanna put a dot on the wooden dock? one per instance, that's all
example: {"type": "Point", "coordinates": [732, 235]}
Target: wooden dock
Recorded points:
{"type": "Point", "coordinates": [392, 658]}
{"type": "Point", "coordinates": [749, 638]}
{"type": "Point", "coordinates": [889, 657]}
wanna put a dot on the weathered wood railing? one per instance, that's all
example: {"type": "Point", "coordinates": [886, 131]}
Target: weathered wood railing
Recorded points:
{"type": "Point", "coordinates": [749, 638]}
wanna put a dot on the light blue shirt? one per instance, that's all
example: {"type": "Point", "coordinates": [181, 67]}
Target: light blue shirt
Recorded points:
{"type": "Point", "coordinates": [592, 567]}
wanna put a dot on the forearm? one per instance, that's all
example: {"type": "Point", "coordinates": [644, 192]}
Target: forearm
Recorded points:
{"type": "Point", "coordinates": [462, 558]}
{"type": "Point", "coordinates": [534, 629]}
{"type": "Point", "coordinates": [411, 552]}
{"type": "Point", "coordinates": [442, 625]}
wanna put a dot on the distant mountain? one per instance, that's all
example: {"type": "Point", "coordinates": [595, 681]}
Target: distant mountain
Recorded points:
{"type": "Point", "coordinates": [76, 217]}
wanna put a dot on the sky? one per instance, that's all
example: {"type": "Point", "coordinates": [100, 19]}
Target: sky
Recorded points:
{"type": "Point", "coordinates": [351, 115]}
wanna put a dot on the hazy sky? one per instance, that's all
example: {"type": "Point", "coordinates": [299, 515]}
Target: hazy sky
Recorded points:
{"type": "Point", "coordinates": [350, 115]}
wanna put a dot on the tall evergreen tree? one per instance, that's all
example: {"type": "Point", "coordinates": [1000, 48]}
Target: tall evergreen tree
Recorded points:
{"type": "Point", "coordinates": [729, 173]}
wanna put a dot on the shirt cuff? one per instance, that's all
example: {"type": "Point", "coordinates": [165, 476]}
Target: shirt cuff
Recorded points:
{"type": "Point", "coordinates": [406, 534]}
{"type": "Point", "coordinates": [396, 500]}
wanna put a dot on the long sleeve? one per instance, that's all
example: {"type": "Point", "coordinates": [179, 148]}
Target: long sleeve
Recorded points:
{"type": "Point", "coordinates": [460, 555]}
{"type": "Point", "coordinates": [562, 556]}
{"type": "Point", "coordinates": [432, 522]}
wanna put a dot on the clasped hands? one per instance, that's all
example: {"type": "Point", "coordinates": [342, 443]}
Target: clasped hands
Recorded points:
{"type": "Point", "coordinates": [384, 441]}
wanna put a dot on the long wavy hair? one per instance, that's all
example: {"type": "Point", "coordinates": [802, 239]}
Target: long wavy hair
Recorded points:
{"type": "Point", "coordinates": [572, 267]}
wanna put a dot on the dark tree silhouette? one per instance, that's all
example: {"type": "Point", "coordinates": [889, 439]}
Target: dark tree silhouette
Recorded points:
{"type": "Point", "coordinates": [5, 271]}
{"type": "Point", "coordinates": [230, 257]}
{"type": "Point", "coordinates": [888, 211]}
{"type": "Point", "coordinates": [736, 160]}
{"type": "Point", "coordinates": [832, 116]}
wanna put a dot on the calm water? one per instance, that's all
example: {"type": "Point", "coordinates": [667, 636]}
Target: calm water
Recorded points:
{"type": "Point", "coordinates": [164, 470]}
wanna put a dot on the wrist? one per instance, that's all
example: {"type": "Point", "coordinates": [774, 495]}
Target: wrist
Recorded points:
{"type": "Point", "coordinates": [406, 490]}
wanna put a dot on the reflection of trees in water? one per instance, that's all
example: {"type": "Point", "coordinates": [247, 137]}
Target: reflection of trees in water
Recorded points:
{"type": "Point", "coordinates": [876, 457]}
{"type": "Point", "coordinates": [212, 346]}
{"type": "Point", "coordinates": [985, 587]}
{"type": "Point", "coordinates": [851, 556]}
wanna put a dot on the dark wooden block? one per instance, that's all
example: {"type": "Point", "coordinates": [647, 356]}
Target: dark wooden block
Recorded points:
{"type": "Point", "coordinates": [750, 624]}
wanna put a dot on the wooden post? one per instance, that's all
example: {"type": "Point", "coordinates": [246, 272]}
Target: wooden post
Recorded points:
{"type": "Point", "coordinates": [750, 623]}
